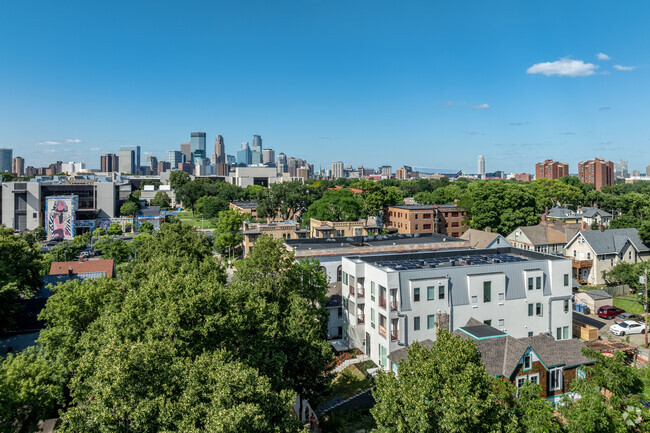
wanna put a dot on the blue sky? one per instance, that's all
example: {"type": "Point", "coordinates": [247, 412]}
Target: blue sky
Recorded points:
{"type": "Point", "coordinates": [420, 83]}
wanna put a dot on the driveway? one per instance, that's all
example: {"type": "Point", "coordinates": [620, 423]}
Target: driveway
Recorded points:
{"type": "Point", "coordinates": [603, 329]}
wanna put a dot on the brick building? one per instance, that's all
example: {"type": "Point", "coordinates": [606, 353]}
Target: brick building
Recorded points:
{"type": "Point", "coordinates": [551, 169]}
{"type": "Point", "coordinates": [445, 219]}
{"type": "Point", "coordinates": [597, 172]}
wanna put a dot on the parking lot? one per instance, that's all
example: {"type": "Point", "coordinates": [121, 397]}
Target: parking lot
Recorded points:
{"type": "Point", "coordinates": [603, 328]}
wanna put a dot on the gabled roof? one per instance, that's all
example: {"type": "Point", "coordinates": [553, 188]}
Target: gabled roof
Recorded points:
{"type": "Point", "coordinates": [611, 241]}
{"type": "Point", "coordinates": [399, 354]}
{"type": "Point", "coordinates": [479, 238]}
{"type": "Point", "coordinates": [597, 294]}
{"type": "Point", "coordinates": [590, 212]}
{"type": "Point", "coordinates": [105, 266]}
{"type": "Point", "coordinates": [548, 233]}
{"type": "Point", "coordinates": [562, 213]}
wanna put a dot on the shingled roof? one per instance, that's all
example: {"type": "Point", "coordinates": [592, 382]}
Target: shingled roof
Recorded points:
{"type": "Point", "coordinates": [612, 241]}
{"type": "Point", "coordinates": [105, 266]}
{"type": "Point", "coordinates": [479, 238]}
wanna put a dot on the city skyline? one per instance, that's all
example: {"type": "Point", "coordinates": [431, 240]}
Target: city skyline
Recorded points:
{"type": "Point", "coordinates": [371, 82]}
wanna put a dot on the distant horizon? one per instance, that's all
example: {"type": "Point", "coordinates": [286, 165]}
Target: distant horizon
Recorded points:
{"type": "Point", "coordinates": [368, 82]}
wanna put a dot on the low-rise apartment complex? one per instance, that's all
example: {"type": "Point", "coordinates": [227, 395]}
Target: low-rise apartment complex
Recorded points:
{"type": "Point", "coordinates": [330, 229]}
{"type": "Point", "coordinates": [389, 301]}
{"type": "Point", "coordinates": [445, 219]}
{"type": "Point", "coordinates": [277, 230]}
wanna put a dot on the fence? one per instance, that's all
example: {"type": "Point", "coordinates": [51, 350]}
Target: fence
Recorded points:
{"type": "Point", "coordinates": [620, 290]}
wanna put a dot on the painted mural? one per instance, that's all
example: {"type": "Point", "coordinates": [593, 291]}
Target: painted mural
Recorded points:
{"type": "Point", "coordinates": [60, 215]}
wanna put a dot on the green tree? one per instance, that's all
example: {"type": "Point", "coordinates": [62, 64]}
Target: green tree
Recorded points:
{"type": "Point", "coordinates": [624, 222]}
{"type": "Point", "coordinates": [227, 233]}
{"type": "Point", "coordinates": [336, 205]}
{"type": "Point", "coordinates": [7, 177]}
{"type": "Point", "coordinates": [289, 200]}
{"type": "Point", "coordinates": [129, 208]}
{"type": "Point", "coordinates": [161, 199]}
{"type": "Point", "coordinates": [251, 192]}
{"type": "Point", "coordinates": [40, 234]}
{"type": "Point", "coordinates": [115, 229]}
{"type": "Point", "coordinates": [442, 389]}
{"type": "Point", "coordinates": [19, 263]}
{"type": "Point", "coordinates": [177, 240]}
{"type": "Point", "coordinates": [146, 227]}
{"type": "Point", "coordinates": [112, 248]}
{"type": "Point", "coordinates": [211, 206]}
{"type": "Point", "coordinates": [501, 205]}
{"type": "Point", "coordinates": [178, 178]}
{"type": "Point", "coordinates": [99, 232]}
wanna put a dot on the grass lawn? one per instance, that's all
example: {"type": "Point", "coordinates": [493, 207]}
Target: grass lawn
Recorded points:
{"type": "Point", "coordinates": [186, 218]}
{"type": "Point", "coordinates": [347, 383]}
{"type": "Point", "coordinates": [629, 303]}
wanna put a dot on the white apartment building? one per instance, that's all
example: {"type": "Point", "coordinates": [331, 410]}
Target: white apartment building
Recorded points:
{"type": "Point", "coordinates": [390, 301]}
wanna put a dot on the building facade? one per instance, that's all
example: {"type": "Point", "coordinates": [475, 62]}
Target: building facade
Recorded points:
{"type": "Point", "coordinates": [597, 171]}
{"type": "Point", "coordinates": [481, 166]}
{"type": "Point", "coordinates": [551, 169]}
{"type": "Point", "coordinates": [391, 301]}
{"type": "Point", "coordinates": [108, 163]}
{"type": "Point", "coordinates": [18, 166]}
{"type": "Point", "coordinates": [337, 170]}
{"type": "Point", "coordinates": [277, 230]}
{"type": "Point", "coordinates": [331, 229]}
{"type": "Point", "coordinates": [6, 155]}
{"type": "Point", "coordinates": [445, 219]}
{"type": "Point", "coordinates": [127, 161]}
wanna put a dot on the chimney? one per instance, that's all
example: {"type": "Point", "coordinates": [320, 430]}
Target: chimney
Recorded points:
{"type": "Point", "coordinates": [488, 229]}
{"type": "Point", "coordinates": [583, 225]}
{"type": "Point", "coordinates": [70, 270]}
{"type": "Point", "coordinates": [601, 227]}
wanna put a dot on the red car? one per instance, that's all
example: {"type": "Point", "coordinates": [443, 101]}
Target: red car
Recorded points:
{"type": "Point", "coordinates": [607, 312]}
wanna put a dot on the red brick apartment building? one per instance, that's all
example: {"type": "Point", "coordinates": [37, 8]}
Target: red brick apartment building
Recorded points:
{"type": "Point", "coordinates": [597, 172]}
{"type": "Point", "coordinates": [551, 169]}
{"type": "Point", "coordinates": [445, 219]}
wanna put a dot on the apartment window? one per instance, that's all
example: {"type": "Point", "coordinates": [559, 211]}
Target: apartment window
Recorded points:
{"type": "Point", "coordinates": [431, 321]}
{"type": "Point", "coordinates": [454, 224]}
{"type": "Point", "coordinates": [426, 226]}
{"type": "Point", "coordinates": [431, 293]}
{"type": "Point", "coordinates": [416, 323]}
{"type": "Point", "coordinates": [555, 380]}
{"type": "Point", "coordinates": [558, 334]}
{"type": "Point", "coordinates": [588, 255]}
{"type": "Point", "coordinates": [416, 227]}
{"type": "Point", "coordinates": [487, 322]}
{"type": "Point", "coordinates": [538, 283]}
{"type": "Point", "coordinates": [382, 355]}
{"type": "Point", "coordinates": [345, 278]}
{"type": "Point", "coordinates": [528, 362]}
{"type": "Point", "coordinates": [487, 291]}
{"type": "Point", "coordinates": [530, 283]}
{"type": "Point", "coordinates": [538, 309]}
{"type": "Point", "coordinates": [530, 333]}
{"type": "Point", "coordinates": [441, 292]}
{"type": "Point", "coordinates": [372, 291]}
{"type": "Point", "coordinates": [565, 333]}
{"type": "Point", "coordinates": [372, 317]}
{"type": "Point", "coordinates": [340, 311]}
{"type": "Point", "coordinates": [520, 381]}
{"type": "Point", "coordinates": [611, 262]}
{"type": "Point", "coordinates": [566, 280]}
{"type": "Point", "coordinates": [566, 305]}
{"type": "Point", "coordinates": [345, 303]}
{"type": "Point", "coordinates": [474, 299]}
{"type": "Point", "coordinates": [501, 322]}
{"type": "Point", "coordinates": [534, 378]}
{"type": "Point", "coordinates": [575, 254]}
{"type": "Point", "coordinates": [416, 294]}
{"type": "Point", "coordinates": [629, 255]}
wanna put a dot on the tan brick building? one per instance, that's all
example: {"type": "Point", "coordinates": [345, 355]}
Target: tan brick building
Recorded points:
{"type": "Point", "coordinates": [277, 230]}
{"type": "Point", "coordinates": [418, 218]}
{"type": "Point", "coordinates": [330, 229]}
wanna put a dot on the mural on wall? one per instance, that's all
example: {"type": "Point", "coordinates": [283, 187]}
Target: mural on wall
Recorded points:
{"type": "Point", "coordinates": [60, 214]}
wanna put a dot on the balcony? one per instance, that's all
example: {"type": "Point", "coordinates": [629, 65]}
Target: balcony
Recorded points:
{"type": "Point", "coordinates": [361, 318]}
{"type": "Point", "coordinates": [578, 264]}
{"type": "Point", "coordinates": [351, 290]}
{"type": "Point", "coordinates": [382, 302]}
{"type": "Point", "coordinates": [394, 335]}
{"type": "Point", "coordinates": [361, 292]}
{"type": "Point", "coordinates": [382, 331]}
{"type": "Point", "coordinates": [394, 305]}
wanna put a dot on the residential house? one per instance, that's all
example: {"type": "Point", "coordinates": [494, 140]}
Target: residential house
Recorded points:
{"type": "Point", "coordinates": [586, 215]}
{"type": "Point", "coordinates": [596, 251]}
{"type": "Point", "coordinates": [86, 268]}
{"type": "Point", "coordinates": [481, 239]}
{"type": "Point", "coordinates": [549, 362]}
{"type": "Point", "coordinates": [407, 297]}
{"type": "Point", "coordinates": [330, 229]}
{"type": "Point", "coordinates": [546, 237]}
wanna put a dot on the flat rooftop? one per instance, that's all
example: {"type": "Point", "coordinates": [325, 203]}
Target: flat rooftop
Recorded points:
{"type": "Point", "coordinates": [454, 257]}
{"type": "Point", "coordinates": [379, 240]}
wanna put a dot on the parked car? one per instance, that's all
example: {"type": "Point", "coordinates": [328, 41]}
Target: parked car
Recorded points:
{"type": "Point", "coordinates": [627, 327]}
{"type": "Point", "coordinates": [628, 316]}
{"type": "Point", "coordinates": [607, 312]}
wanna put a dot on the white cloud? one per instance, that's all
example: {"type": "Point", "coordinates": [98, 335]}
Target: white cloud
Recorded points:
{"type": "Point", "coordinates": [94, 149]}
{"type": "Point", "coordinates": [564, 67]}
{"type": "Point", "coordinates": [603, 56]}
{"type": "Point", "coordinates": [625, 68]}
{"type": "Point", "coordinates": [452, 104]}
{"type": "Point", "coordinates": [480, 106]}
{"type": "Point", "coordinates": [49, 143]}
{"type": "Point", "coordinates": [74, 140]}
{"type": "Point", "coordinates": [50, 150]}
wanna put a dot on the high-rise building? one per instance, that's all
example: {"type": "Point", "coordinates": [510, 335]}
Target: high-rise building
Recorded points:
{"type": "Point", "coordinates": [257, 143]}
{"type": "Point", "coordinates": [620, 170]}
{"type": "Point", "coordinates": [256, 157]}
{"type": "Point", "coordinates": [6, 155]}
{"type": "Point", "coordinates": [197, 140]}
{"type": "Point", "coordinates": [136, 156]}
{"type": "Point", "coordinates": [282, 163]}
{"type": "Point", "coordinates": [152, 164]}
{"type": "Point", "coordinates": [231, 160]}
{"type": "Point", "coordinates": [481, 166]}
{"type": "Point", "coordinates": [647, 171]}
{"type": "Point", "coordinates": [597, 172]}
{"type": "Point", "coordinates": [127, 161]}
{"type": "Point", "coordinates": [401, 174]}
{"type": "Point", "coordinates": [163, 166]}
{"type": "Point", "coordinates": [219, 156]}
{"type": "Point", "coordinates": [186, 150]}
{"type": "Point", "coordinates": [72, 167]}
{"type": "Point", "coordinates": [18, 166]}
{"type": "Point", "coordinates": [551, 169]}
{"type": "Point", "coordinates": [244, 155]}
{"type": "Point", "coordinates": [174, 157]}
{"type": "Point", "coordinates": [386, 170]}
{"type": "Point", "coordinates": [268, 156]}
{"type": "Point", "coordinates": [108, 163]}
{"type": "Point", "coordinates": [337, 170]}
{"type": "Point", "coordinates": [302, 173]}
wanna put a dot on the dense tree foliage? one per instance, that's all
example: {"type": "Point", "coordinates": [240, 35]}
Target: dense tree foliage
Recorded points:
{"type": "Point", "coordinates": [210, 207]}
{"type": "Point", "coordinates": [286, 199]}
{"type": "Point", "coordinates": [227, 232]}
{"type": "Point", "coordinates": [336, 205]}
{"type": "Point", "coordinates": [129, 208]}
{"type": "Point", "coordinates": [161, 199]}
{"type": "Point", "coordinates": [178, 178]}
{"type": "Point", "coordinates": [19, 263]}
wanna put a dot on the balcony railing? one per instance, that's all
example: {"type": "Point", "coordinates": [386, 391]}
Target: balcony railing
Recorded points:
{"type": "Point", "coordinates": [394, 335]}
{"type": "Point", "coordinates": [394, 305]}
{"type": "Point", "coordinates": [582, 263]}
{"type": "Point", "coordinates": [351, 290]}
{"type": "Point", "coordinates": [361, 318]}
{"type": "Point", "coordinates": [382, 330]}
{"type": "Point", "coordinates": [361, 292]}
{"type": "Point", "coordinates": [382, 302]}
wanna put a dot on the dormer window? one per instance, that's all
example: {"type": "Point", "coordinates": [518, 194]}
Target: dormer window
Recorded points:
{"type": "Point", "coordinates": [528, 362]}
